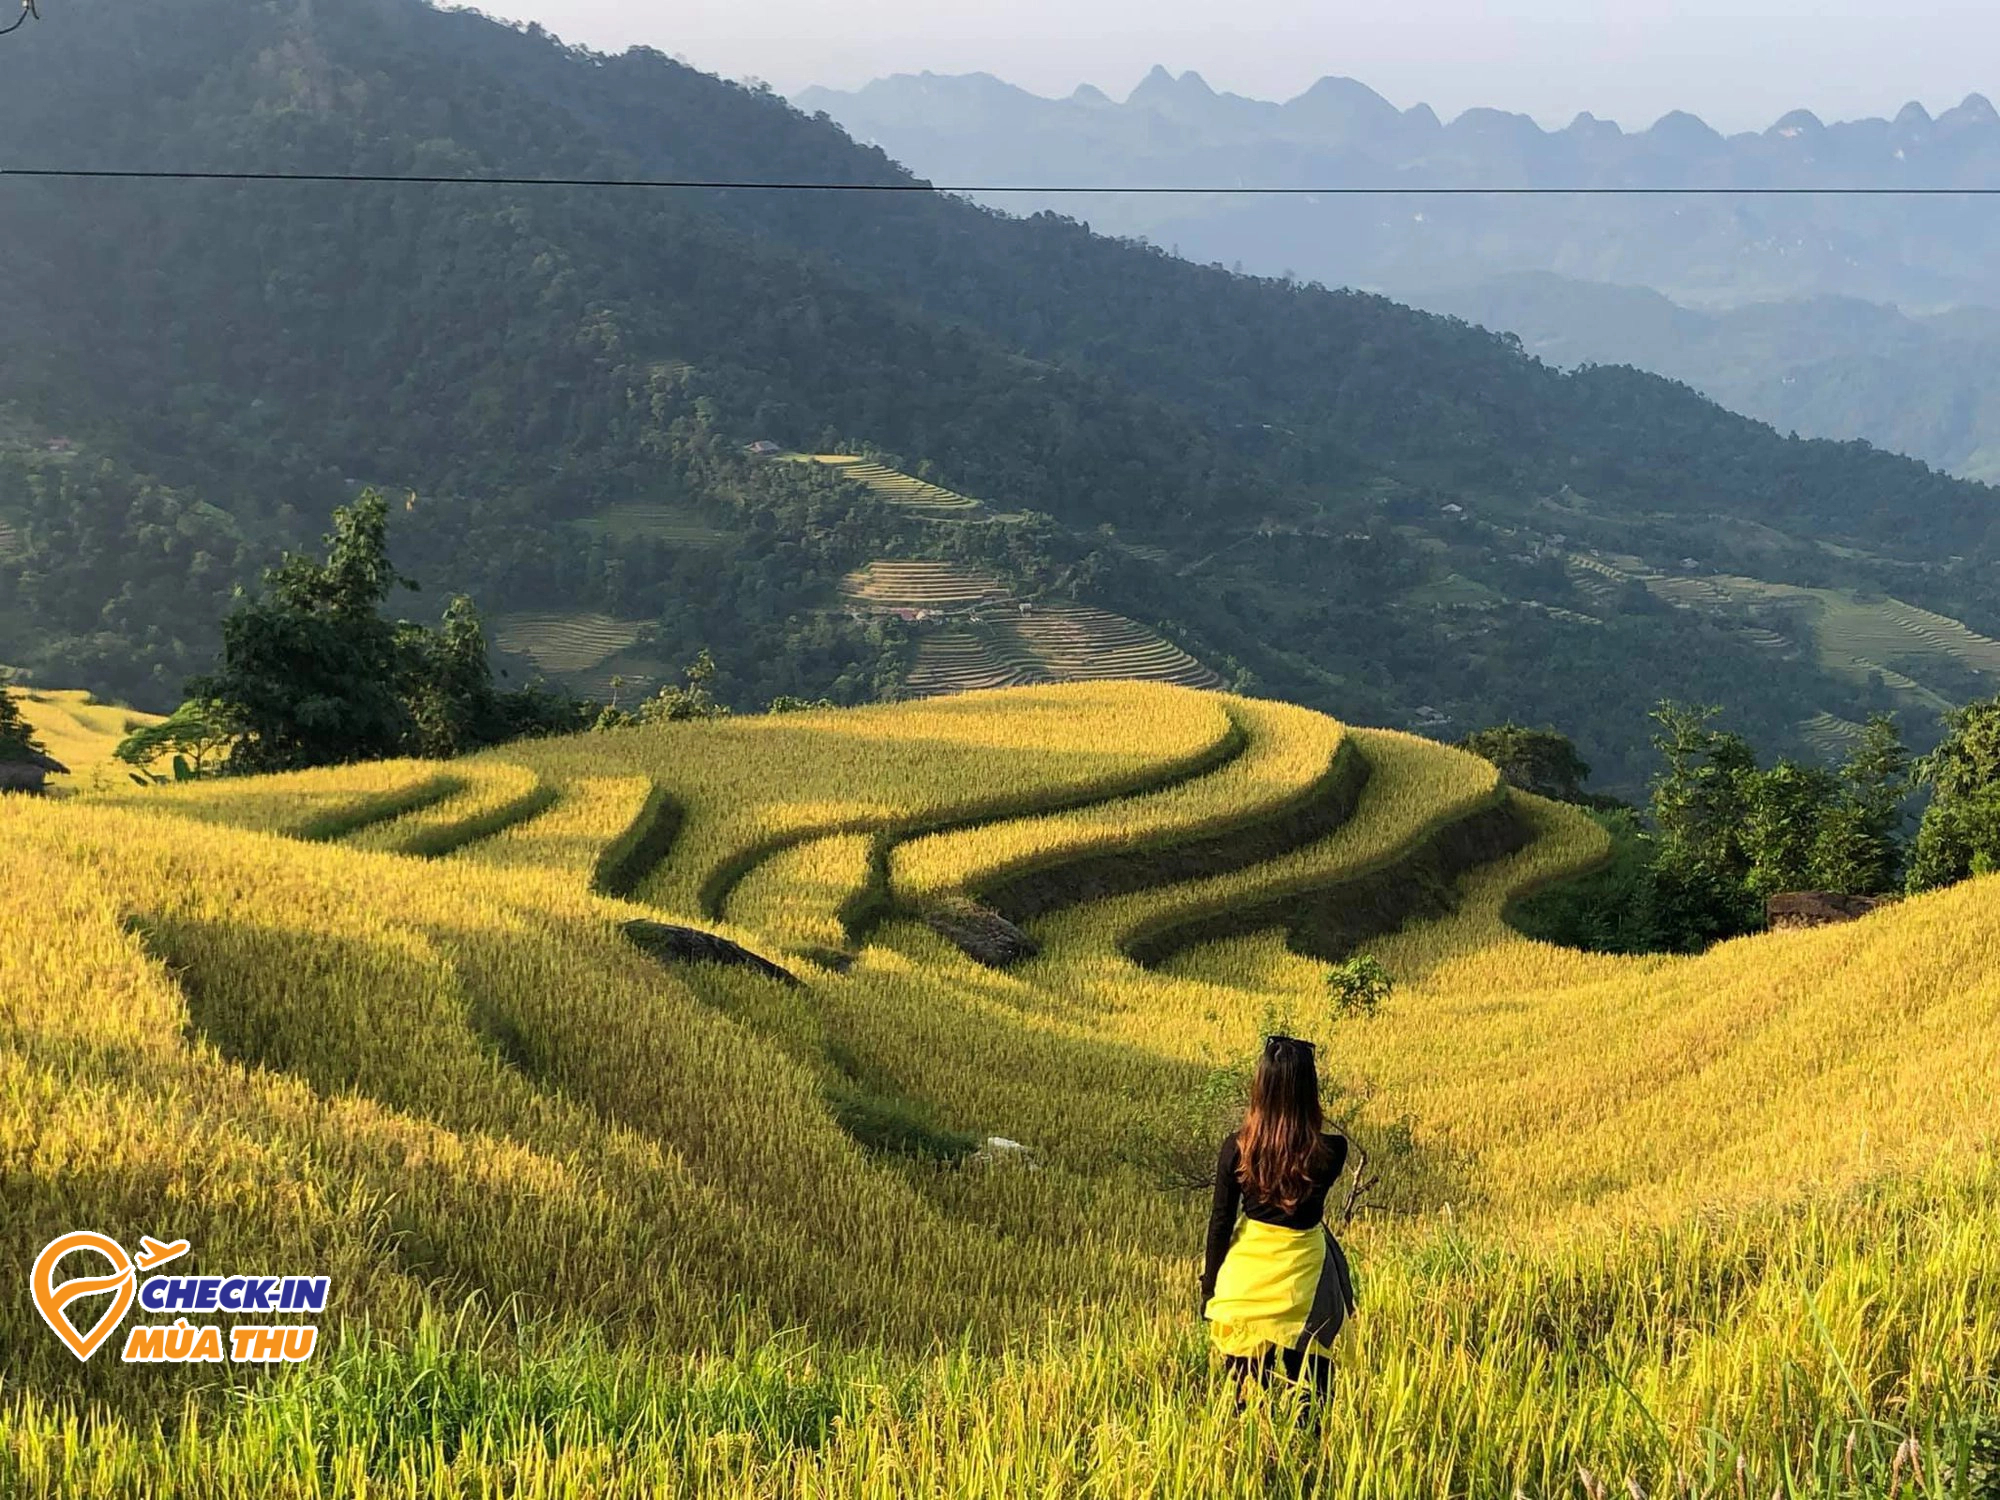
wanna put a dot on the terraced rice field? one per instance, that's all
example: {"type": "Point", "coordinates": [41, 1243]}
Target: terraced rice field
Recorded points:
{"type": "Point", "coordinates": [601, 1223]}
{"type": "Point", "coordinates": [919, 495]}
{"type": "Point", "coordinates": [1051, 643]}
{"type": "Point", "coordinates": [11, 541]}
{"type": "Point", "coordinates": [566, 643]}
{"type": "Point", "coordinates": [1853, 636]}
{"type": "Point", "coordinates": [968, 659]}
{"type": "Point", "coordinates": [80, 732]}
{"type": "Point", "coordinates": [1004, 643]}
{"type": "Point", "coordinates": [1831, 735]}
{"type": "Point", "coordinates": [1078, 644]}
{"type": "Point", "coordinates": [943, 586]}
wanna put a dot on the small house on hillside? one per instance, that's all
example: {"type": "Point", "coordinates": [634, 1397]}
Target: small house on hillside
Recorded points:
{"type": "Point", "coordinates": [28, 772]}
{"type": "Point", "coordinates": [763, 448]}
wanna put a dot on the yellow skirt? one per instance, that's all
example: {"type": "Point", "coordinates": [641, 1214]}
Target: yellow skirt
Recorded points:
{"type": "Point", "coordinates": [1266, 1291]}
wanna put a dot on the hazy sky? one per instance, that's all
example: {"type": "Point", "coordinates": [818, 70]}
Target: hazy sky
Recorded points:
{"type": "Point", "coordinates": [1738, 65]}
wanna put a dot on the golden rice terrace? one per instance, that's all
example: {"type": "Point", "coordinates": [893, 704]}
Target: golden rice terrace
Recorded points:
{"type": "Point", "coordinates": [863, 1204]}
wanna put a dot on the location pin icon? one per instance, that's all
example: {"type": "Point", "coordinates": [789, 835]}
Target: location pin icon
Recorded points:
{"type": "Point", "coordinates": [52, 1298]}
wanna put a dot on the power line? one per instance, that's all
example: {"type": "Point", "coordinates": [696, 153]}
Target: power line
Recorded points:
{"type": "Point", "coordinates": [28, 13]}
{"type": "Point", "coordinates": [87, 174]}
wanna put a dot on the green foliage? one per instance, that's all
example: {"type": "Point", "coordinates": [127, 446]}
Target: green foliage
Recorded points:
{"type": "Point", "coordinates": [310, 670]}
{"type": "Point", "coordinates": [1609, 910]}
{"type": "Point", "coordinates": [1540, 761]}
{"type": "Point", "coordinates": [1701, 800]}
{"type": "Point", "coordinates": [17, 739]}
{"type": "Point", "coordinates": [1727, 835]}
{"type": "Point", "coordinates": [449, 693]}
{"type": "Point", "coordinates": [788, 703]}
{"type": "Point", "coordinates": [313, 674]}
{"type": "Point", "coordinates": [1358, 986]}
{"type": "Point", "coordinates": [1960, 834]}
{"type": "Point", "coordinates": [693, 697]}
{"type": "Point", "coordinates": [1784, 809]}
{"type": "Point", "coordinates": [1859, 849]}
{"type": "Point", "coordinates": [196, 735]}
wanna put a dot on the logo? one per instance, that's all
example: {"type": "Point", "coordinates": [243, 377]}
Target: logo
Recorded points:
{"type": "Point", "coordinates": [180, 1341]}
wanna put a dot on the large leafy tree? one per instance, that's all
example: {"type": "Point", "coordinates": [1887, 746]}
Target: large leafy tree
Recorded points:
{"type": "Point", "coordinates": [1701, 811]}
{"type": "Point", "coordinates": [449, 690]}
{"type": "Point", "coordinates": [311, 672]}
{"type": "Point", "coordinates": [314, 674]}
{"type": "Point", "coordinates": [1541, 761]}
{"type": "Point", "coordinates": [1960, 835]}
{"type": "Point", "coordinates": [1784, 810]}
{"type": "Point", "coordinates": [1858, 848]}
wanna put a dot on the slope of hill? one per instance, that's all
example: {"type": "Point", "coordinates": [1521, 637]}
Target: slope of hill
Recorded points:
{"type": "Point", "coordinates": [1630, 1209]}
{"type": "Point", "coordinates": [79, 732]}
{"type": "Point", "coordinates": [1343, 500]}
{"type": "Point", "coordinates": [1825, 367]}
{"type": "Point", "coordinates": [1177, 131]}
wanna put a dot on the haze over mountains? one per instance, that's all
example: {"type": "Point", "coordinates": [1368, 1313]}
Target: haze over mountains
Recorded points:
{"type": "Point", "coordinates": [1322, 495]}
{"type": "Point", "coordinates": [1834, 367]}
{"type": "Point", "coordinates": [1835, 317]}
{"type": "Point", "coordinates": [1175, 132]}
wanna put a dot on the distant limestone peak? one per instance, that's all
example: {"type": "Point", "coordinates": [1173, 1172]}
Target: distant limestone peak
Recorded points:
{"type": "Point", "coordinates": [1976, 109]}
{"type": "Point", "coordinates": [1679, 125]}
{"type": "Point", "coordinates": [1341, 103]}
{"type": "Point", "coordinates": [1587, 123]}
{"type": "Point", "coordinates": [1160, 86]}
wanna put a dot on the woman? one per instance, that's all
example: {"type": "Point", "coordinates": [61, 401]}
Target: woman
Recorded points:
{"type": "Point", "coordinates": [1277, 1285]}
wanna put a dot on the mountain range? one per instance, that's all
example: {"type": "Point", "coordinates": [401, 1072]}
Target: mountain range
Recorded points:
{"type": "Point", "coordinates": [1319, 495]}
{"type": "Point", "coordinates": [1924, 254]}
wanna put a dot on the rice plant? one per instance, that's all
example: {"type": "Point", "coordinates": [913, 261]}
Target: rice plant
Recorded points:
{"type": "Point", "coordinates": [603, 1225]}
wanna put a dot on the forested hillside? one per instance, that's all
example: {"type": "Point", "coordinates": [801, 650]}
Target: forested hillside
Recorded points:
{"type": "Point", "coordinates": [1395, 516]}
{"type": "Point", "coordinates": [1826, 366]}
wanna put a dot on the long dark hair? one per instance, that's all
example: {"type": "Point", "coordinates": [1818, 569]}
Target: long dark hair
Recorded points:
{"type": "Point", "coordinates": [1280, 1142]}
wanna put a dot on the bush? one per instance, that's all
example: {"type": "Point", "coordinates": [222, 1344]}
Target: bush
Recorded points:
{"type": "Point", "coordinates": [1358, 986]}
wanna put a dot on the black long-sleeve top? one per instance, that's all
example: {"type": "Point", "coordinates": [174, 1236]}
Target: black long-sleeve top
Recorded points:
{"type": "Point", "coordinates": [1229, 1197]}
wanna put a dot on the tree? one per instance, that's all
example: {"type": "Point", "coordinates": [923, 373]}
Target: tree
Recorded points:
{"type": "Point", "coordinates": [453, 707]}
{"type": "Point", "coordinates": [313, 674]}
{"type": "Point", "coordinates": [1960, 833]}
{"type": "Point", "coordinates": [1540, 761]}
{"type": "Point", "coordinates": [310, 670]}
{"type": "Point", "coordinates": [1859, 847]}
{"type": "Point", "coordinates": [695, 699]}
{"type": "Point", "coordinates": [196, 735]}
{"type": "Point", "coordinates": [1786, 811]}
{"type": "Point", "coordinates": [17, 738]}
{"type": "Point", "coordinates": [1701, 799]}
{"type": "Point", "coordinates": [1701, 807]}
